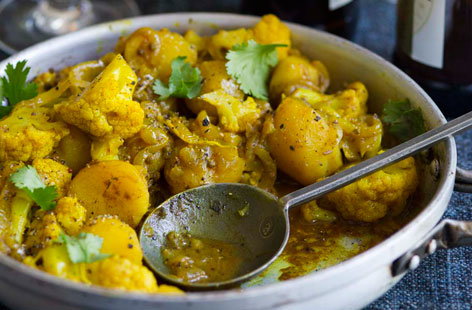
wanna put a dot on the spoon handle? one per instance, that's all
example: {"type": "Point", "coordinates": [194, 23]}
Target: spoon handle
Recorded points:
{"type": "Point", "coordinates": [373, 164]}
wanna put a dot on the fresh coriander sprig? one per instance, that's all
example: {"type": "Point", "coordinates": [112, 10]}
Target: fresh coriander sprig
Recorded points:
{"type": "Point", "coordinates": [184, 82]}
{"type": "Point", "coordinates": [28, 180]}
{"type": "Point", "coordinates": [404, 122]}
{"type": "Point", "coordinates": [14, 86]}
{"type": "Point", "coordinates": [85, 248]}
{"type": "Point", "coordinates": [249, 64]}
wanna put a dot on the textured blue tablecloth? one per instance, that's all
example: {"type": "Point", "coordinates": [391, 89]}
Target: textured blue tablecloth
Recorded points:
{"type": "Point", "coordinates": [443, 280]}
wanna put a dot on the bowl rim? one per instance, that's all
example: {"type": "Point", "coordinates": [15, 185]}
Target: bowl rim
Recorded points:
{"type": "Point", "coordinates": [443, 192]}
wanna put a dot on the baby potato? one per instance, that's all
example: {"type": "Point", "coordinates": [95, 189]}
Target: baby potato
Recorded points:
{"type": "Point", "coordinates": [303, 143]}
{"type": "Point", "coordinates": [112, 187]}
{"type": "Point", "coordinates": [150, 51]}
{"type": "Point", "coordinates": [173, 45]}
{"type": "Point", "coordinates": [295, 72]}
{"type": "Point", "coordinates": [118, 238]}
{"type": "Point", "coordinates": [194, 165]}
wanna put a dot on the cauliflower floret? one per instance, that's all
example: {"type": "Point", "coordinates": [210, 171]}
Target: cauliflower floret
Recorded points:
{"type": "Point", "coordinates": [29, 133]}
{"type": "Point", "coordinates": [348, 103]}
{"type": "Point", "coordinates": [43, 231]}
{"type": "Point", "coordinates": [234, 114]}
{"type": "Point", "coordinates": [120, 273]}
{"type": "Point", "coordinates": [106, 148]}
{"type": "Point", "coordinates": [224, 40]}
{"type": "Point", "coordinates": [70, 214]}
{"type": "Point", "coordinates": [54, 260]}
{"type": "Point", "coordinates": [270, 30]}
{"type": "Point", "coordinates": [106, 108]}
{"type": "Point", "coordinates": [53, 173]}
{"type": "Point", "coordinates": [375, 196]}
{"type": "Point", "coordinates": [215, 77]}
{"type": "Point", "coordinates": [44, 226]}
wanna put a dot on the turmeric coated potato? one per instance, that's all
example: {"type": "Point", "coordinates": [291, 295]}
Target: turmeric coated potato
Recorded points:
{"type": "Point", "coordinates": [195, 165]}
{"type": "Point", "coordinates": [112, 187]}
{"type": "Point", "coordinates": [304, 144]}
{"type": "Point", "coordinates": [296, 72]}
{"type": "Point", "coordinates": [118, 238]}
{"type": "Point", "coordinates": [150, 51]}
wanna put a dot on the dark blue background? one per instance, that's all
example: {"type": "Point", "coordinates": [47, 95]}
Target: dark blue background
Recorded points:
{"type": "Point", "coordinates": [443, 280]}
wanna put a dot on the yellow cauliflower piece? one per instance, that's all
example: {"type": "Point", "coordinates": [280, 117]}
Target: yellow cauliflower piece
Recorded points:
{"type": "Point", "coordinates": [235, 115]}
{"type": "Point", "coordinates": [224, 40]}
{"type": "Point", "coordinates": [106, 107]}
{"type": "Point", "coordinates": [55, 260]}
{"type": "Point", "coordinates": [29, 133]}
{"type": "Point", "coordinates": [43, 231]}
{"type": "Point", "coordinates": [53, 173]}
{"type": "Point", "coordinates": [70, 214]}
{"type": "Point", "coordinates": [270, 30]}
{"type": "Point", "coordinates": [215, 77]}
{"type": "Point", "coordinates": [348, 103]}
{"type": "Point", "coordinates": [373, 197]}
{"type": "Point", "coordinates": [120, 273]}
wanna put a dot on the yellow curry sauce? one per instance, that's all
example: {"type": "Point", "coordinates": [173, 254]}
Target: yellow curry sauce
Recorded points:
{"type": "Point", "coordinates": [192, 259]}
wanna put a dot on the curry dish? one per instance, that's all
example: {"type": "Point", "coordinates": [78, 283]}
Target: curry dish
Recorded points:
{"type": "Point", "coordinates": [109, 139]}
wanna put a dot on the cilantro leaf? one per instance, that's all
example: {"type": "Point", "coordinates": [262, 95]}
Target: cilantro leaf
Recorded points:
{"type": "Point", "coordinates": [45, 197]}
{"type": "Point", "coordinates": [4, 111]}
{"type": "Point", "coordinates": [28, 180]}
{"type": "Point", "coordinates": [85, 248]}
{"type": "Point", "coordinates": [184, 82]}
{"type": "Point", "coordinates": [15, 87]}
{"type": "Point", "coordinates": [249, 64]}
{"type": "Point", "coordinates": [404, 122]}
{"type": "Point", "coordinates": [1, 92]}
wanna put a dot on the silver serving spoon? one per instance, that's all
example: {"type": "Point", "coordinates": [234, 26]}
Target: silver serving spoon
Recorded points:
{"type": "Point", "coordinates": [214, 211]}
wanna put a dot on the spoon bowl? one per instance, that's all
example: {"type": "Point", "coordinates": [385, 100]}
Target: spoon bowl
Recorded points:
{"type": "Point", "coordinates": [243, 215]}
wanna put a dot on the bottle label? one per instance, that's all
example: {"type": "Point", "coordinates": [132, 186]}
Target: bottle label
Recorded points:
{"type": "Point", "coordinates": [336, 4]}
{"type": "Point", "coordinates": [427, 42]}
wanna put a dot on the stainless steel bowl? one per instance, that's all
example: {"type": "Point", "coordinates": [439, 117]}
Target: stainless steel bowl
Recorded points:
{"type": "Point", "coordinates": [350, 284]}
